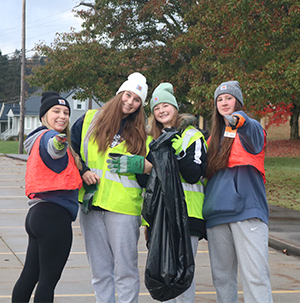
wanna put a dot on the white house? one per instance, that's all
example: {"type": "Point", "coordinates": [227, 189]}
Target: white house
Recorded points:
{"type": "Point", "coordinates": [10, 114]}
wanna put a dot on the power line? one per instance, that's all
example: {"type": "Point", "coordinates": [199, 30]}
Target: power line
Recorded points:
{"type": "Point", "coordinates": [17, 28]}
{"type": "Point", "coordinates": [27, 51]}
{"type": "Point", "coordinates": [29, 27]}
{"type": "Point", "coordinates": [54, 22]}
{"type": "Point", "coordinates": [42, 34]}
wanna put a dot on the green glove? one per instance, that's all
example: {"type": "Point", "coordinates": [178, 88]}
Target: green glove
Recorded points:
{"type": "Point", "coordinates": [177, 144]}
{"type": "Point", "coordinates": [60, 141]}
{"type": "Point", "coordinates": [88, 196]}
{"type": "Point", "coordinates": [126, 164]}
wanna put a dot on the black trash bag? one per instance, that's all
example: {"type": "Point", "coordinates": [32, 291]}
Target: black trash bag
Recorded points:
{"type": "Point", "coordinates": [170, 262]}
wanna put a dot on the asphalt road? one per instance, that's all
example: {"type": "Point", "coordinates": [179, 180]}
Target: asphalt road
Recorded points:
{"type": "Point", "coordinates": [75, 285]}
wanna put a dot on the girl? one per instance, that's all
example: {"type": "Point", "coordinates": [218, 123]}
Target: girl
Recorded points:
{"type": "Point", "coordinates": [235, 205]}
{"type": "Point", "coordinates": [111, 227]}
{"type": "Point", "coordinates": [52, 183]}
{"type": "Point", "coordinates": [190, 148]}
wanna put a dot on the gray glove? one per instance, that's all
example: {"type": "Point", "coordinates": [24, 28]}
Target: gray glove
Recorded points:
{"type": "Point", "coordinates": [232, 120]}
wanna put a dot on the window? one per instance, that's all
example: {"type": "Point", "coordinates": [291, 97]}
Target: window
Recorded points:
{"type": "Point", "coordinates": [36, 122]}
{"type": "Point", "coordinates": [78, 104]}
{"type": "Point", "coordinates": [28, 122]}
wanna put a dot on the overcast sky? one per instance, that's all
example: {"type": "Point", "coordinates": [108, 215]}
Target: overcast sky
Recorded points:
{"type": "Point", "coordinates": [44, 19]}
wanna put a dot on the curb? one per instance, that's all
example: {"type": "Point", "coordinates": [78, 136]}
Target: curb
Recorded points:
{"type": "Point", "coordinates": [284, 247]}
{"type": "Point", "coordinates": [17, 157]}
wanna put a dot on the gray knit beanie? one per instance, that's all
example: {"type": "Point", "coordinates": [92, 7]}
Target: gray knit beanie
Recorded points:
{"type": "Point", "coordinates": [229, 87]}
{"type": "Point", "coordinates": [163, 93]}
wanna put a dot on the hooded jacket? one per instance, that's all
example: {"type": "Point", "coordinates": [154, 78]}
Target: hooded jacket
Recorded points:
{"type": "Point", "coordinates": [51, 175]}
{"type": "Point", "coordinates": [238, 193]}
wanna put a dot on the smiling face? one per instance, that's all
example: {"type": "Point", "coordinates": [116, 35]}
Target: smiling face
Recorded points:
{"type": "Point", "coordinates": [226, 104]}
{"type": "Point", "coordinates": [165, 114]}
{"type": "Point", "coordinates": [57, 117]}
{"type": "Point", "coordinates": [130, 103]}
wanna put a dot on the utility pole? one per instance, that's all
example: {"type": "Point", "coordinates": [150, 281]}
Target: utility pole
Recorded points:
{"type": "Point", "coordinates": [22, 95]}
{"type": "Point", "coordinates": [92, 5]}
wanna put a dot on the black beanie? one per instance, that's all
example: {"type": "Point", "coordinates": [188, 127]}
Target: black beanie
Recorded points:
{"type": "Point", "coordinates": [50, 99]}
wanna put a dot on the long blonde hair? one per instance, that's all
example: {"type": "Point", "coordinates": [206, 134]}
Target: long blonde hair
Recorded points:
{"type": "Point", "coordinates": [67, 132]}
{"type": "Point", "coordinates": [107, 122]}
{"type": "Point", "coordinates": [219, 148]}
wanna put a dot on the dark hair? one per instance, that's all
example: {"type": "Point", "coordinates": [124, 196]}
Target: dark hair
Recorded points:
{"type": "Point", "coordinates": [157, 127]}
{"type": "Point", "coordinates": [217, 158]}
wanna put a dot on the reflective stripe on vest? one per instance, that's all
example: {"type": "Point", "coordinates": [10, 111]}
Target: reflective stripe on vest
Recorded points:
{"type": "Point", "coordinates": [89, 116]}
{"type": "Point", "coordinates": [194, 193]}
{"type": "Point", "coordinates": [188, 134]}
{"type": "Point", "coordinates": [122, 179]}
{"type": "Point", "coordinates": [193, 187]}
{"type": "Point", "coordinates": [40, 178]}
{"type": "Point", "coordinates": [119, 193]}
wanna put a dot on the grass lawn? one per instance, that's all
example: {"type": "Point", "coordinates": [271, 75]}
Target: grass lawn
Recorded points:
{"type": "Point", "coordinates": [9, 147]}
{"type": "Point", "coordinates": [283, 180]}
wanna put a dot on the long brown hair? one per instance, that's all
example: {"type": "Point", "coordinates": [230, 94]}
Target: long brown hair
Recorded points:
{"type": "Point", "coordinates": [219, 146]}
{"type": "Point", "coordinates": [107, 122]}
{"type": "Point", "coordinates": [157, 127]}
{"type": "Point", "coordinates": [67, 132]}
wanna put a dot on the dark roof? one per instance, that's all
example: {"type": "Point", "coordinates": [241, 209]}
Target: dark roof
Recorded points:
{"type": "Point", "coordinates": [32, 104]}
{"type": "Point", "coordinates": [13, 106]}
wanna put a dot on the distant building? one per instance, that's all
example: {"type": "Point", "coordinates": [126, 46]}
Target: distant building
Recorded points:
{"type": "Point", "coordinates": [10, 114]}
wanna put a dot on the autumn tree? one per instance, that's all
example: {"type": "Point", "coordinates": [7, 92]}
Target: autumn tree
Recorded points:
{"type": "Point", "coordinates": [255, 42]}
{"type": "Point", "coordinates": [195, 45]}
{"type": "Point", "coordinates": [117, 38]}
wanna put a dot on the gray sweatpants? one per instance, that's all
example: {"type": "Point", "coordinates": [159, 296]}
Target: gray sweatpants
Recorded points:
{"type": "Point", "coordinates": [189, 295]}
{"type": "Point", "coordinates": [243, 244]}
{"type": "Point", "coordinates": [111, 246]}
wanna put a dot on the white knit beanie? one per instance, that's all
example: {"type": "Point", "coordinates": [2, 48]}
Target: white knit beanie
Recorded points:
{"type": "Point", "coordinates": [135, 83]}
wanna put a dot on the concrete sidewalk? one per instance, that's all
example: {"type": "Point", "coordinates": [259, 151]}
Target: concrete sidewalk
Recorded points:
{"type": "Point", "coordinates": [75, 284]}
{"type": "Point", "coordinates": [284, 225]}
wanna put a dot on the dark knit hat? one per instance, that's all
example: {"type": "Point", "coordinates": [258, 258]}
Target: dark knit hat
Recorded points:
{"type": "Point", "coordinates": [50, 99]}
{"type": "Point", "coordinates": [229, 87]}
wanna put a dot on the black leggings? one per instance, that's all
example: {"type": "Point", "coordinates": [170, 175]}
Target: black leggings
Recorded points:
{"type": "Point", "coordinates": [49, 227]}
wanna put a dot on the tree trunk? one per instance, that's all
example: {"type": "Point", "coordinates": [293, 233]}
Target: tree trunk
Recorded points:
{"type": "Point", "coordinates": [294, 122]}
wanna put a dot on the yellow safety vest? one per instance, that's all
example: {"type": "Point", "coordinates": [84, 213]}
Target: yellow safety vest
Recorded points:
{"type": "Point", "coordinates": [118, 193]}
{"type": "Point", "coordinates": [194, 193]}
